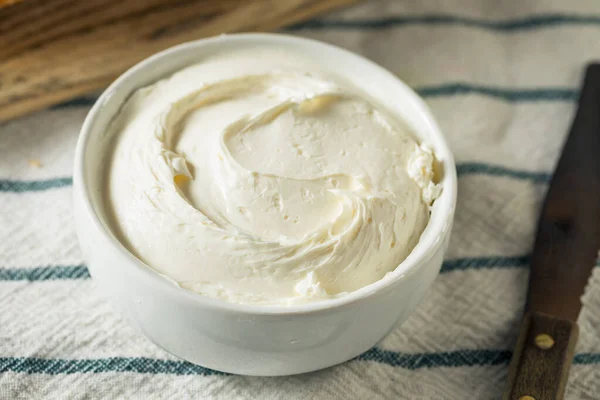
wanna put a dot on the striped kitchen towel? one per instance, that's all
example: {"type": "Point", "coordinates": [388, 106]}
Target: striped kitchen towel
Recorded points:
{"type": "Point", "coordinates": [501, 78]}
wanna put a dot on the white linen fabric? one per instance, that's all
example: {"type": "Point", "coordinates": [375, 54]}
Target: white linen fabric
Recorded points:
{"type": "Point", "coordinates": [502, 80]}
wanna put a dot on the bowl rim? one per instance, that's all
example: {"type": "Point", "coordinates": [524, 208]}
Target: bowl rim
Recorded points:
{"type": "Point", "coordinates": [436, 230]}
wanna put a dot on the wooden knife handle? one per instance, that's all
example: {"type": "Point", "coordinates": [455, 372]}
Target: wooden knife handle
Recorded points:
{"type": "Point", "coordinates": [540, 364]}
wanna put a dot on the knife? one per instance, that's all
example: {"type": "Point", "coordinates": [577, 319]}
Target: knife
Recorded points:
{"type": "Point", "coordinates": [564, 254]}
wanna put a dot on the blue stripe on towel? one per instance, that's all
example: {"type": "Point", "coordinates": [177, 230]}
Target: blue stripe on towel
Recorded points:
{"type": "Point", "coordinates": [49, 273]}
{"type": "Point", "coordinates": [528, 23]}
{"type": "Point", "coordinates": [19, 186]}
{"type": "Point", "coordinates": [461, 264]}
{"type": "Point", "coordinates": [463, 169]}
{"type": "Point", "coordinates": [510, 95]}
{"type": "Point", "coordinates": [458, 358]}
{"type": "Point", "coordinates": [142, 365]}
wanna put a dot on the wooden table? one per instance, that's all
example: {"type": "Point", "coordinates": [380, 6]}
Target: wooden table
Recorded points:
{"type": "Point", "coordinates": [54, 50]}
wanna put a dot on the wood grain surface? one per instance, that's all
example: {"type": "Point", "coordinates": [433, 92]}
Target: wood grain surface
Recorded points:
{"type": "Point", "coordinates": [4, 3]}
{"type": "Point", "coordinates": [54, 50]}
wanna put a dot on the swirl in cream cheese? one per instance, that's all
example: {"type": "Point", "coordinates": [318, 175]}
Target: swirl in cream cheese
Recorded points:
{"type": "Point", "coordinates": [255, 178]}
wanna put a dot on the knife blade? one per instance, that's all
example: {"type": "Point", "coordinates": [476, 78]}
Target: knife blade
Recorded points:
{"type": "Point", "coordinates": [565, 251]}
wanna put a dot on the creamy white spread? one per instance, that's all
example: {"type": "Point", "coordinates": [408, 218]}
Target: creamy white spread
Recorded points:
{"type": "Point", "coordinates": [257, 177]}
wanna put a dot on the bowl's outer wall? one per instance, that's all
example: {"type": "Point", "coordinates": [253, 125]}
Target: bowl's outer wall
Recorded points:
{"type": "Point", "coordinates": [224, 338]}
{"type": "Point", "coordinates": [249, 344]}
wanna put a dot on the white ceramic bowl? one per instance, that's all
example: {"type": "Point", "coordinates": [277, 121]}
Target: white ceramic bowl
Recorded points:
{"type": "Point", "coordinates": [253, 339]}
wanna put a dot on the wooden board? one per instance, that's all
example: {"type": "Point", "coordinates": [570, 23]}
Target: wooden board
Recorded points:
{"type": "Point", "coordinates": [54, 50]}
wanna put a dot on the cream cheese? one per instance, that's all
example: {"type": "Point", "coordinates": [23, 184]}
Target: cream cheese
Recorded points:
{"type": "Point", "coordinates": [257, 177]}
